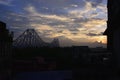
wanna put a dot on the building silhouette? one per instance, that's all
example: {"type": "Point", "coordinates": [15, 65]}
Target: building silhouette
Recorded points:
{"type": "Point", "coordinates": [113, 29]}
{"type": "Point", "coordinates": [5, 52]}
{"type": "Point", "coordinates": [5, 40]}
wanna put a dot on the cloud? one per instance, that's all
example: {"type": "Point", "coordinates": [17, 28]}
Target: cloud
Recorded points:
{"type": "Point", "coordinates": [58, 22]}
{"type": "Point", "coordinates": [73, 29]}
{"type": "Point", "coordinates": [42, 27]}
{"type": "Point", "coordinates": [94, 34]}
{"type": "Point", "coordinates": [61, 3]}
{"type": "Point", "coordinates": [94, 3]}
{"type": "Point", "coordinates": [94, 22]}
{"type": "Point", "coordinates": [33, 13]}
{"type": "Point", "coordinates": [73, 19]}
{"type": "Point", "coordinates": [6, 2]}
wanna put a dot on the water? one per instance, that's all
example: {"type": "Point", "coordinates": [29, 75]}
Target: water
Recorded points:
{"type": "Point", "coordinates": [45, 75]}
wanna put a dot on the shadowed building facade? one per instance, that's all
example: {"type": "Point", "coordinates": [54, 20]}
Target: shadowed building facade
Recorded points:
{"type": "Point", "coordinates": [113, 29]}
{"type": "Point", "coordinates": [5, 40]}
{"type": "Point", "coordinates": [5, 52]}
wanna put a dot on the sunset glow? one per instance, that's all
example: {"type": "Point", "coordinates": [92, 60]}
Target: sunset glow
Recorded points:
{"type": "Point", "coordinates": [74, 21]}
{"type": "Point", "coordinates": [102, 39]}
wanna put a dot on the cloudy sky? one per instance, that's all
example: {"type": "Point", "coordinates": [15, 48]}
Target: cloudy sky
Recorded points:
{"type": "Point", "coordinates": [73, 22]}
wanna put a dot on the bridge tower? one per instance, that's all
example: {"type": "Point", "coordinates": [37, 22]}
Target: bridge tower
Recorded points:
{"type": "Point", "coordinates": [55, 43]}
{"type": "Point", "coordinates": [30, 39]}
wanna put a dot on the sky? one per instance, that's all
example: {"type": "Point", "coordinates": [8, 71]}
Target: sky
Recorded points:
{"type": "Point", "coordinates": [73, 22]}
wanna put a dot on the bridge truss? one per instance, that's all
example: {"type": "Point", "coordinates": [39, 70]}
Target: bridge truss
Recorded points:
{"type": "Point", "coordinates": [30, 39]}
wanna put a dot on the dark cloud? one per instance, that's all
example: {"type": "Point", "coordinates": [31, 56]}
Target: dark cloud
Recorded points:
{"type": "Point", "coordinates": [48, 6]}
{"type": "Point", "coordinates": [73, 29]}
{"type": "Point", "coordinates": [56, 22]}
{"type": "Point", "coordinates": [80, 20]}
{"type": "Point", "coordinates": [60, 3]}
{"type": "Point", "coordinates": [59, 31]}
{"type": "Point", "coordinates": [95, 34]}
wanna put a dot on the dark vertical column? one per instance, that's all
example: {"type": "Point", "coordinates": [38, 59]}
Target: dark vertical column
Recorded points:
{"type": "Point", "coordinates": [113, 28]}
{"type": "Point", "coordinates": [5, 52]}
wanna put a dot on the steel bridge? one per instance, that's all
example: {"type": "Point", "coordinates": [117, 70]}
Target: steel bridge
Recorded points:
{"type": "Point", "coordinates": [30, 39]}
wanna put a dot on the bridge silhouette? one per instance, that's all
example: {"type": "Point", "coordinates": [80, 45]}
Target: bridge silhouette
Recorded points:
{"type": "Point", "coordinates": [30, 39]}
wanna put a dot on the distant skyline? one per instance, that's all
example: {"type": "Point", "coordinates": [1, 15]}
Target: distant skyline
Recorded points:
{"type": "Point", "coordinates": [73, 22]}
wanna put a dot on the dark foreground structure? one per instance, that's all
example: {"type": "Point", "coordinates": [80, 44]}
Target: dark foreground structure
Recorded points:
{"type": "Point", "coordinates": [5, 52]}
{"type": "Point", "coordinates": [113, 30]}
{"type": "Point", "coordinates": [113, 46]}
